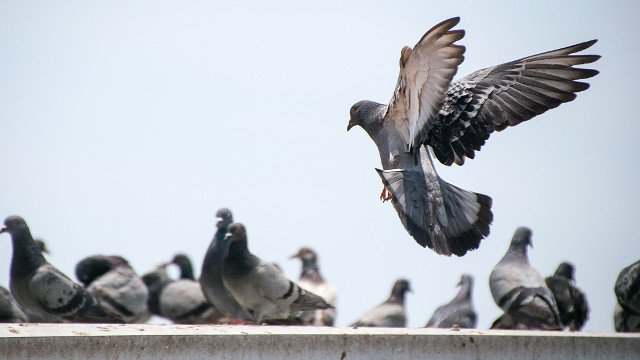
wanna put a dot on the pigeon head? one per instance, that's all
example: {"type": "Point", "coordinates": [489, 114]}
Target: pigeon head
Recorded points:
{"type": "Point", "coordinates": [306, 255]}
{"type": "Point", "coordinates": [565, 270]}
{"type": "Point", "coordinates": [400, 287]}
{"type": "Point", "coordinates": [14, 225]}
{"type": "Point", "coordinates": [466, 282]}
{"type": "Point", "coordinates": [237, 236]}
{"type": "Point", "coordinates": [366, 114]}
{"type": "Point", "coordinates": [93, 267]}
{"type": "Point", "coordinates": [521, 238]}
{"type": "Point", "coordinates": [465, 279]}
{"type": "Point", "coordinates": [184, 263]}
{"type": "Point", "coordinates": [224, 218]}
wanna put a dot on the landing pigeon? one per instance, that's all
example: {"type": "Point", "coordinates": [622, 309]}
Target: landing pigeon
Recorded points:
{"type": "Point", "coordinates": [571, 301]}
{"type": "Point", "coordinates": [180, 301]}
{"type": "Point", "coordinates": [520, 290]}
{"type": "Point", "coordinates": [41, 288]}
{"type": "Point", "coordinates": [390, 313]}
{"type": "Point", "coordinates": [627, 290]}
{"type": "Point", "coordinates": [455, 119]}
{"type": "Point", "coordinates": [311, 280]}
{"type": "Point", "coordinates": [211, 273]}
{"type": "Point", "coordinates": [115, 284]}
{"type": "Point", "coordinates": [458, 311]}
{"type": "Point", "coordinates": [10, 311]}
{"type": "Point", "coordinates": [258, 286]}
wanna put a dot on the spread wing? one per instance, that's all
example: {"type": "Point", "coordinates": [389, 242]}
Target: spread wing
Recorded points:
{"type": "Point", "coordinates": [506, 95]}
{"type": "Point", "coordinates": [426, 72]}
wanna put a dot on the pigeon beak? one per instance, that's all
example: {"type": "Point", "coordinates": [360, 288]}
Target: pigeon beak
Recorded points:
{"type": "Point", "coordinates": [4, 229]}
{"type": "Point", "coordinates": [228, 235]}
{"type": "Point", "coordinates": [295, 256]}
{"type": "Point", "coordinates": [350, 126]}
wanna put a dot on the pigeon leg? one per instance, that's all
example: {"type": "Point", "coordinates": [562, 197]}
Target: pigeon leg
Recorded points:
{"type": "Point", "coordinates": [385, 195]}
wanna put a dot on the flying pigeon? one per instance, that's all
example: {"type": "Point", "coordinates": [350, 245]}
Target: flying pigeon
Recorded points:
{"type": "Point", "coordinates": [41, 288]}
{"type": "Point", "coordinates": [627, 290]}
{"type": "Point", "coordinates": [311, 280]}
{"type": "Point", "coordinates": [571, 301]}
{"type": "Point", "coordinates": [258, 286]}
{"type": "Point", "coordinates": [455, 119]}
{"type": "Point", "coordinates": [520, 290]}
{"type": "Point", "coordinates": [458, 311]}
{"type": "Point", "coordinates": [211, 273]}
{"type": "Point", "coordinates": [180, 301]}
{"type": "Point", "coordinates": [115, 284]}
{"type": "Point", "coordinates": [10, 311]}
{"type": "Point", "coordinates": [390, 313]}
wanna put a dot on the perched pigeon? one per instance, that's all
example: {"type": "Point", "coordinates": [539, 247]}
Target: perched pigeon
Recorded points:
{"type": "Point", "coordinates": [211, 273]}
{"type": "Point", "coordinates": [112, 281]}
{"type": "Point", "coordinates": [258, 286]}
{"type": "Point", "coordinates": [43, 289]}
{"type": "Point", "coordinates": [10, 311]}
{"type": "Point", "coordinates": [520, 290]}
{"type": "Point", "coordinates": [311, 280]}
{"type": "Point", "coordinates": [458, 311]}
{"type": "Point", "coordinates": [571, 301]}
{"type": "Point", "coordinates": [627, 290]}
{"type": "Point", "coordinates": [180, 301]}
{"type": "Point", "coordinates": [390, 313]}
{"type": "Point", "coordinates": [455, 119]}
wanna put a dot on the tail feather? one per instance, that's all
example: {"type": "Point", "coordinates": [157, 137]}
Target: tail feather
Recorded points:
{"type": "Point", "coordinates": [436, 214]}
{"type": "Point", "coordinates": [309, 301]}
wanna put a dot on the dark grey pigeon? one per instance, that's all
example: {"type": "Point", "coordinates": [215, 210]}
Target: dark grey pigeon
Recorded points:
{"type": "Point", "coordinates": [43, 289]}
{"type": "Point", "coordinates": [627, 290]}
{"type": "Point", "coordinates": [520, 290]}
{"type": "Point", "coordinates": [258, 286]}
{"type": "Point", "coordinates": [115, 284]}
{"type": "Point", "coordinates": [311, 280]}
{"type": "Point", "coordinates": [390, 313]}
{"type": "Point", "coordinates": [180, 301]}
{"type": "Point", "coordinates": [211, 273]}
{"type": "Point", "coordinates": [458, 311]}
{"type": "Point", "coordinates": [571, 301]}
{"type": "Point", "coordinates": [10, 311]}
{"type": "Point", "coordinates": [455, 119]}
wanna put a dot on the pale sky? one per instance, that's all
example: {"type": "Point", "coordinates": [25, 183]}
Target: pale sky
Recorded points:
{"type": "Point", "coordinates": [127, 124]}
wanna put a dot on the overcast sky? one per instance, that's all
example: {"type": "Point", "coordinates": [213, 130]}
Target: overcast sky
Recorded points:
{"type": "Point", "coordinates": [127, 124]}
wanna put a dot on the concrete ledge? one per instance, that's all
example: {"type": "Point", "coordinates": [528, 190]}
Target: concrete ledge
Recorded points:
{"type": "Point", "coordinates": [91, 341]}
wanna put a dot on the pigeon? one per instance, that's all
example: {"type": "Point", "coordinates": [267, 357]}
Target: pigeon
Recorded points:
{"type": "Point", "coordinates": [572, 302]}
{"type": "Point", "coordinates": [311, 280]}
{"type": "Point", "coordinates": [10, 311]}
{"type": "Point", "coordinates": [181, 301]}
{"type": "Point", "coordinates": [112, 281]}
{"type": "Point", "coordinates": [520, 290]}
{"type": "Point", "coordinates": [258, 286]}
{"type": "Point", "coordinates": [43, 289]}
{"type": "Point", "coordinates": [627, 290]}
{"type": "Point", "coordinates": [211, 273]}
{"type": "Point", "coordinates": [458, 311]}
{"type": "Point", "coordinates": [454, 119]}
{"type": "Point", "coordinates": [390, 313]}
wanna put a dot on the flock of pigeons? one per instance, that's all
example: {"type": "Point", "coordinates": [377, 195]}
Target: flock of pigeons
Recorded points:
{"type": "Point", "coordinates": [237, 287]}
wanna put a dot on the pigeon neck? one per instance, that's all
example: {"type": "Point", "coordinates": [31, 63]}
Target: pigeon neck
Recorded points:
{"type": "Point", "coordinates": [239, 258]}
{"type": "Point", "coordinates": [310, 270]}
{"type": "Point", "coordinates": [186, 270]}
{"type": "Point", "coordinates": [465, 291]}
{"type": "Point", "coordinates": [26, 255]}
{"type": "Point", "coordinates": [517, 253]}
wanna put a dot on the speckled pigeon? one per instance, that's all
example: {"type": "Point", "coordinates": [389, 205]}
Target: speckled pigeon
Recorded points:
{"type": "Point", "coordinates": [258, 286]}
{"type": "Point", "coordinates": [115, 284]}
{"type": "Point", "coordinates": [627, 290]}
{"type": "Point", "coordinates": [571, 301]}
{"type": "Point", "coordinates": [520, 290]}
{"type": "Point", "coordinates": [43, 289]}
{"type": "Point", "coordinates": [390, 313]}
{"type": "Point", "coordinates": [454, 119]}
{"type": "Point", "coordinates": [311, 280]}
{"type": "Point", "coordinates": [458, 311]}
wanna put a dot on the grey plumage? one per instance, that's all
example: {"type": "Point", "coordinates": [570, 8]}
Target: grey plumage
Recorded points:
{"type": "Point", "coordinates": [211, 273]}
{"type": "Point", "coordinates": [458, 311]}
{"type": "Point", "coordinates": [41, 288]}
{"type": "Point", "coordinates": [114, 283]}
{"type": "Point", "coordinates": [10, 311]}
{"type": "Point", "coordinates": [572, 302]}
{"type": "Point", "coordinates": [311, 280]}
{"type": "Point", "coordinates": [390, 313]}
{"type": "Point", "coordinates": [627, 290]}
{"type": "Point", "coordinates": [258, 286]}
{"type": "Point", "coordinates": [520, 290]}
{"type": "Point", "coordinates": [455, 119]}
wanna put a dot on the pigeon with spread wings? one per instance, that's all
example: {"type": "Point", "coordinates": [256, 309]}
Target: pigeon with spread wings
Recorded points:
{"type": "Point", "coordinates": [455, 119]}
